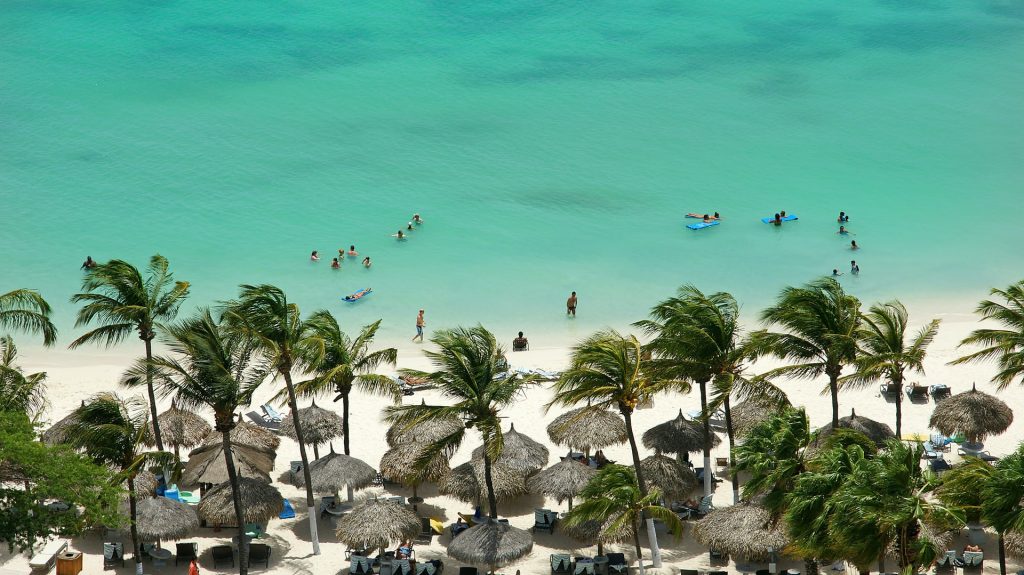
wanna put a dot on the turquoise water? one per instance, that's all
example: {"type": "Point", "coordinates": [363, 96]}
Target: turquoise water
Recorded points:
{"type": "Point", "coordinates": [549, 146]}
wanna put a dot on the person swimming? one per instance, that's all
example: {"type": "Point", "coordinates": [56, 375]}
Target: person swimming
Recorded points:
{"type": "Point", "coordinates": [416, 218]}
{"type": "Point", "coordinates": [352, 252]}
{"type": "Point", "coordinates": [409, 226]}
{"type": "Point", "coordinates": [853, 245]}
{"type": "Point", "coordinates": [400, 235]}
{"type": "Point", "coordinates": [836, 272]}
{"type": "Point", "coordinates": [335, 264]}
{"type": "Point", "coordinates": [707, 219]}
{"type": "Point", "coordinates": [366, 262]}
{"type": "Point", "coordinates": [777, 220]}
{"type": "Point", "coordinates": [717, 216]}
{"type": "Point", "coordinates": [783, 213]}
{"type": "Point", "coordinates": [88, 264]}
{"type": "Point", "coordinates": [843, 218]}
{"type": "Point", "coordinates": [314, 256]}
{"type": "Point", "coordinates": [843, 231]}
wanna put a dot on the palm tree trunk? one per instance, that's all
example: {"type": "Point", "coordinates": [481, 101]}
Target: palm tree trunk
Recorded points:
{"type": "Point", "coordinates": [639, 551]}
{"type": "Point", "coordinates": [293, 404]}
{"type": "Point", "coordinates": [707, 436]}
{"type": "Point", "coordinates": [899, 405]}
{"type": "Point", "coordinates": [833, 388]}
{"type": "Point", "coordinates": [152, 398]}
{"type": "Point", "coordinates": [652, 534]}
{"type": "Point", "coordinates": [732, 459]}
{"type": "Point", "coordinates": [1002, 555]}
{"type": "Point", "coordinates": [344, 422]}
{"type": "Point", "coordinates": [492, 501]}
{"type": "Point", "coordinates": [236, 498]}
{"type": "Point", "coordinates": [136, 549]}
{"type": "Point", "coordinates": [316, 452]}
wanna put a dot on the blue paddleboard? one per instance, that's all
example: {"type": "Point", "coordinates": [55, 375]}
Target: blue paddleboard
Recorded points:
{"type": "Point", "coordinates": [702, 225]}
{"type": "Point", "coordinates": [788, 218]}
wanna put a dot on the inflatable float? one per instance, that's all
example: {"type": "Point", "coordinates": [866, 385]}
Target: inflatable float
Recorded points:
{"type": "Point", "coordinates": [358, 295]}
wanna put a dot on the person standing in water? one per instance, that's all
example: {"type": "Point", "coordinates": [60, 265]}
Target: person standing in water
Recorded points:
{"type": "Point", "coordinates": [570, 305]}
{"type": "Point", "coordinates": [420, 324]}
{"type": "Point", "coordinates": [854, 268]}
{"type": "Point", "coordinates": [853, 245]}
{"type": "Point", "coordinates": [88, 264]}
{"type": "Point", "coordinates": [335, 264]}
{"type": "Point", "coordinates": [366, 262]}
{"type": "Point", "coordinates": [352, 252]}
{"type": "Point", "coordinates": [417, 219]}
{"type": "Point", "coordinates": [314, 257]}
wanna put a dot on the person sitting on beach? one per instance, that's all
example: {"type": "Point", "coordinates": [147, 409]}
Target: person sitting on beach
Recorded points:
{"type": "Point", "coordinates": [335, 264]}
{"type": "Point", "coordinates": [853, 245]}
{"type": "Point", "coordinates": [843, 218]}
{"type": "Point", "coordinates": [854, 268]}
{"type": "Point", "coordinates": [404, 550]}
{"type": "Point", "coordinates": [314, 256]}
{"type": "Point", "coordinates": [416, 218]}
{"type": "Point", "coordinates": [971, 547]}
{"type": "Point", "coordinates": [88, 264]}
{"type": "Point", "coordinates": [352, 252]}
{"type": "Point", "coordinates": [520, 343]}
{"type": "Point", "coordinates": [366, 262]}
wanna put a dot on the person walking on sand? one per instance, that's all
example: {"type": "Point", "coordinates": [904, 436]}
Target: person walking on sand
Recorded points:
{"type": "Point", "coordinates": [420, 324]}
{"type": "Point", "coordinates": [570, 305]}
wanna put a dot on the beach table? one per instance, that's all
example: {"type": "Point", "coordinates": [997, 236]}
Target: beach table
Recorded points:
{"type": "Point", "coordinates": [160, 556]}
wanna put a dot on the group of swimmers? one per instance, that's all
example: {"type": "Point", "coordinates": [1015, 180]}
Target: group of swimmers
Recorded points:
{"type": "Point", "coordinates": [844, 219]}
{"type": "Point", "coordinates": [336, 262]}
{"type": "Point", "coordinates": [401, 235]}
{"type": "Point", "coordinates": [779, 217]}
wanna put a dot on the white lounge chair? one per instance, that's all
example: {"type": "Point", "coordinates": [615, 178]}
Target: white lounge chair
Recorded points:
{"type": "Point", "coordinates": [46, 558]}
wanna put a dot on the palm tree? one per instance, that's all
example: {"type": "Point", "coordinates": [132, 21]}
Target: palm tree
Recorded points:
{"type": "Point", "coordinates": [112, 430]}
{"type": "Point", "coordinates": [1003, 499]}
{"type": "Point", "coordinates": [26, 310]}
{"type": "Point", "coordinates": [470, 370]}
{"type": "Point", "coordinates": [19, 391]}
{"type": "Point", "coordinates": [697, 337]}
{"type": "Point", "coordinates": [885, 353]}
{"type": "Point", "coordinates": [821, 322]}
{"type": "Point", "coordinates": [609, 370]}
{"type": "Point", "coordinates": [614, 500]}
{"type": "Point", "coordinates": [122, 301]}
{"type": "Point", "coordinates": [264, 314]}
{"type": "Point", "coordinates": [209, 367]}
{"type": "Point", "coordinates": [773, 454]}
{"type": "Point", "coordinates": [340, 363]}
{"type": "Point", "coordinates": [1006, 345]}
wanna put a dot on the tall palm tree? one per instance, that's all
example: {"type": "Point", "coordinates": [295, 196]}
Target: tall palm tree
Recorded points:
{"type": "Point", "coordinates": [121, 300]}
{"type": "Point", "coordinates": [1003, 499]}
{"type": "Point", "coordinates": [20, 391]}
{"type": "Point", "coordinates": [885, 353]}
{"type": "Point", "coordinates": [821, 322]}
{"type": "Point", "coordinates": [470, 369]}
{"type": "Point", "coordinates": [697, 337]}
{"type": "Point", "coordinates": [609, 370]}
{"type": "Point", "coordinates": [614, 500]}
{"type": "Point", "coordinates": [1005, 345]}
{"type": "Point", "coordinates": [112, 430]}
{"type": "Point", "coordinates": [26, 310]}
{"type": "Point", "coordinates": [339, 364]}
{"type": "Point", "coordinates": [264, 314]}
{"type": "Point", "coordinates": [209, 367]}
{"type": "Point", "coordinates": [773, 453]}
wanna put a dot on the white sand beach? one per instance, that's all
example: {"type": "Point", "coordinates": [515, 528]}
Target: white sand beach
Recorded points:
{"type": "Point", "coordinates": [74, 376]}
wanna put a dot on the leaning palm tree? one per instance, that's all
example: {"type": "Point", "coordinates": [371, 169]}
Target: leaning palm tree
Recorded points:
{"type": "Point", "coordinates": [885, 353]}
{"type": "Point", "coordinates": [339, 364]}
{"type": "Point", "coordinates": [208, 367]}
{"type": "Point", "coordinates": [1005, 345]}
{"type": "Point", "coordinates": [1003, 500]}
{"type": "Point", "coordinates": [25, 393]}
{"type": "Point", "coordinates": [121, 300]}
{"type": "Point", "coordinates": [608, 370]}
{"type": "Point", "coordinates": [26, 310]}
{"type": "Point", "coordinates": [470, 370]}
{"type": "Point", "coordinates": [773, 454]}
{"type": "Point", "coordinates": [112, 430]}
{"type": "Point", "coordinates": [264, 314]}
{"type": "Point", "coordinates": [613, 499]}
{"type": "Point", "coordinates": [821, 322]}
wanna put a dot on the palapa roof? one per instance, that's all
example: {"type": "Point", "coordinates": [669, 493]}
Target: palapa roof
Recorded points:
{"type": "Point", "coordinates": [672, 478]}
{"type": "Point", "coordinates": [876, 431]}
{"type": "Point", "coordinates": [424, 432]}
{"type": "Point", "coordinates": [375, 524]}
{"type": "Point", "coordinates": [206, 464]}
{"type": "Point", "coordinates": [55, 434]}
{"type": "Point", "coordinates": [336, 471]}
{"type": "Point", "coordinates": [587, 428]}
{"type": "Point", "coordinates": [246, 433]}
{"type": "Point", "coordinates": [163, 518]}
{"type": "Point", "coordinates": [973, 413]}
{"type": "Point", "coordinates": [491, 544]}
{"type": "Point", "coordinates": [743, 530]}
{"type": "Point", "coordinates": [562, 480]}
{"type": "Point", "coordinates": [260, 502]}
{"type": "Point", "coordinates": [589, 532]}
{"type": "Point", "coordinates": [463, 483]}
{"type": "Point", "coordinates": [398, 465]}
{"type": "Point", "coordinates": [520, 453]}
{"type": "Point", "coordinates": [679, 435]}
{"type": "Point", "coordinates": [747, 414]}
{"type": "Point", "coordinates": [146, 482]}
{"type": "Point", "coordinates": [319, 425]}
{"type": "Point", "coordinates": [1014, 542]}
{"type": "Point", "coordinates": [180, 427]}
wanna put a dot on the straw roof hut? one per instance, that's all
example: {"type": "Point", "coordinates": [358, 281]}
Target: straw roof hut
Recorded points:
{"type": "Point", "coordinates": [491, 543]}
{"type": "Point", "coordinates": [55, 434]}
{"type": "Point", "coordinates": [146, 482]}
{"type": "Point", "coordinates": [519, 454]}
{"type": "Point", "coordinates": [673, 479]}
{"type": "Point", "coordinates": [679, 435]}
{"type": "Point", "coordinates": [975, 414]}
{"type": "Point", "coordinates": [424, 432]}
{"type": "Point", "coordinates": [563, 480]}
{"type": "Point", "coordinates": [246, 433]}
{"type": "Point", "coordinates": [163, 518]}
{"type": "Point", "coordinates": [260, 502]}
{"type": "Point", "coordinates": [876, 431]}
{"type": "Point", "coordinates": [589, 532]}
{"type": "Point", "coordinates": [375, 524]}
{"type": "Point", "coordinates": [398, 465]}
{"type": "Point", "coordinates": [748, 413]}
{"type": "Point", "coordinates": [206, 464]}
{"type": "Point", "coordinates": [743, 530]}
{"type": "Point", "coordinates": [319, 426]}
{"type": "Point", "coordinates": [180, 428]}
{"type": "Point", "coordinates": [463, 483]}
{"type": "Point", "coordinates": [336, 471]}
{"type": "Point", "coordinates": [587, 428]}
{"type": "Point", "coordinates": [1014, 543]}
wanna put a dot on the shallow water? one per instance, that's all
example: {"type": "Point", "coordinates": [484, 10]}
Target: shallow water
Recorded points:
{"type": "Point", "coordinates": [549, 146]}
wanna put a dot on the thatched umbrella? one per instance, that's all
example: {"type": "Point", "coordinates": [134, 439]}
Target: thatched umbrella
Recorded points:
{"type": "Point", "coordinates": [375, 524]}
{"type": "Point", "coordinates": [319, 426]}
{"type": "Point", "coordinates": [748, 413]}
{"type": "Point", "coordinates": [491, 543]}
{"type": "Point", "coordinates": [743, 530]}
{"type": "Point", "coordinates": [246, 433]}
{"type": "Point", "coordinates": [260, 502]}
{"type": "Point", "coordinates": [563, 480]}
{"type": "Point", "coordinates": [56, 433]}
{"type": "Point", "coordinates": [673, 479]}
{"type": "Point", "coordinates": [586, 428]}
{"type": "Point", "coordinates": [336, 471]}
{"type": "Point", "coordinates": [975, 414]}
{"type": "Point", "coordinates": [206, 464]}
{"type": "Point", "coordinates": [519, 454]}
{"type": "Point", "coordinates": [398, 465]}
{"type": "Point", "coordinates": [1014, 543]}
{"type": "Point", "coordinates": [427, 431]}
{"type": "Point", "coordinates": [941, 539]}
{"type": "Point", "coordinates": [180, 428]}
{"type": "Point", "coordinates": [876, 431]}
{"type": "Point", "coordinates": [146, 482]}
{"type": "Point", "coordinates": [463, 483]}
{"type": "Point", "coordinates": [679, 436]}
{"type": "Point", "coordinates": [589, 532]}
{"type": "Point", "coordinates": [163, 518]}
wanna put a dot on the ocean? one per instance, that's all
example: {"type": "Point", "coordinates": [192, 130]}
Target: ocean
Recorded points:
{"type": "Point", "coordinates": [550, 147]}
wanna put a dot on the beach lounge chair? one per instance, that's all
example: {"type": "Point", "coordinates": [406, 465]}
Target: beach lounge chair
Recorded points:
{"type": "Point", "coordinates": [46, 558]}
{"type": "Point", "coordinates": [939, 465]}
{"type": "Point", "coordinates": [617, 563]}
{"type": "Point", "coordinates": [386, 567]}
{"type": "Point", "coordinates": [718, 573]}
{"type": "Point", "coordinates": [270, 414]}
{"type": "Point", "coordinates": [973, 558]}
{"type": "Point", "coordinates": [469, 519]}
{"type": "Point", "coordinates": [889, 389]}
{"type": "Point", "coordinates": [113, 553]}
{"type": "Point", "coordinates": [544, 520]}
{"type": "Point", "coordinates": [401, 567]}
{"type": "Point", "coordinates": [426, 534]}
{"type": "Point", "coordinates": [762, 572]}
{"type": "Point", "coordinates": [717, 555]}
{"type": "Point", "coordinates": [949, 559]}
{"type": "Point", "coordinates": [223, 554]}
{"type": "Point", "coordinates": [689, 572]}
{"type": "Point", "coordinates": [359, 565]}
{"type": "Point", "coordinates": [704, 507]}
{"type": "Point", "coordinates": [294, 469]}
{"type": "Point", "coordinates": [583, 566]}
{"type": "Point", "coordinates": [468, 571]}
{"type": "Point", "coordinates": [434, 567]}
{"type": "Point", "coordinates": [917, 392]}
{"type": "Point", "coordinates": [940, 391]}
{"type": "Point", "coordinates": [561, 564]}
{"type": "Point", "coordinates": [259, 553]}
{"type": "Point", "coordinates": [699, 472]}
{"type": "Point", "coordinates": [185, 552]}
{"type": "Point", "coordinates": [457, 528]}
{"type": "Point", "coordinates": [288, 512]}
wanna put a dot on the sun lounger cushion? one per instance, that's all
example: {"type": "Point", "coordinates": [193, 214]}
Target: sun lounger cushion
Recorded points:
{"type": "Point", "coordinates": [560, 563]}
